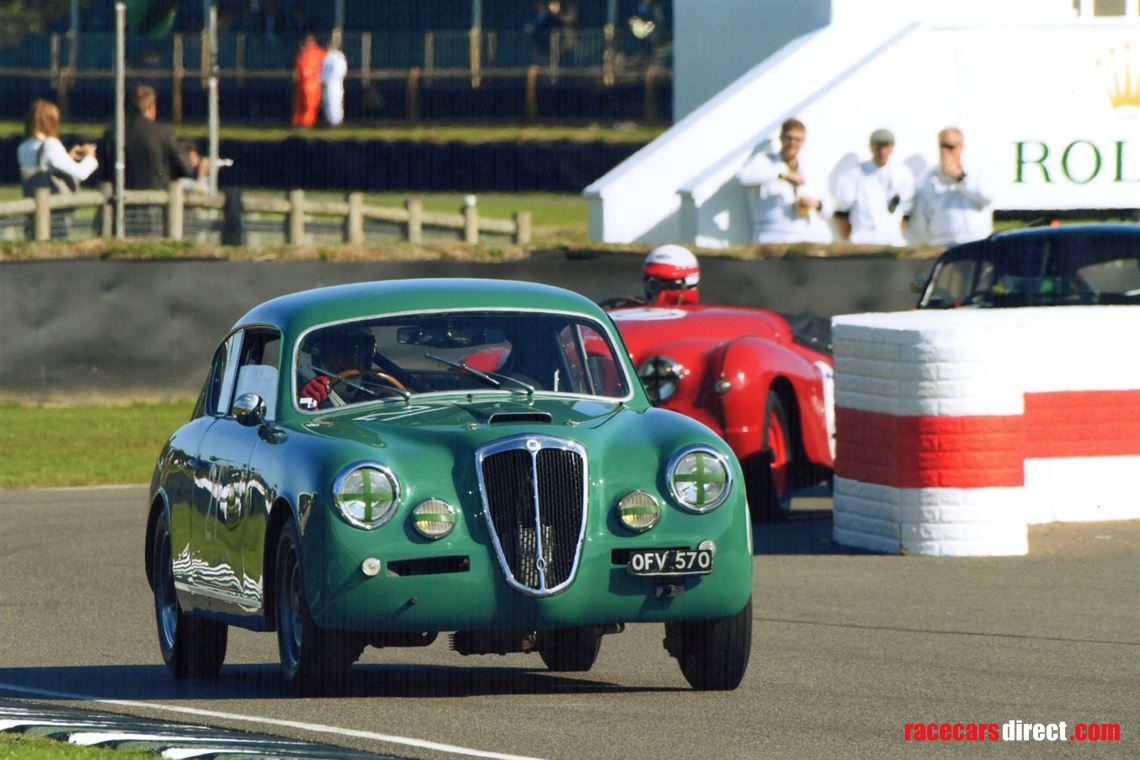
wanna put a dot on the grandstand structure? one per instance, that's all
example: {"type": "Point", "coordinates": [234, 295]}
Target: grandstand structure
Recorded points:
{"type": "Point", "coordinates": [1047, 93]}
{"type": "Point", "coordinates": [421, 60]}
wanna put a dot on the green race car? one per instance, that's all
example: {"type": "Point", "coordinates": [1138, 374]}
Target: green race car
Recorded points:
{"type": "Point", "coordinates": [373, 464]}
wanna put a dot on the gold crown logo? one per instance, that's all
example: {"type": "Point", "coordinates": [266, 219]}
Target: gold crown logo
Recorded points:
{"type": "Point", "coordinates": [1122, 77]}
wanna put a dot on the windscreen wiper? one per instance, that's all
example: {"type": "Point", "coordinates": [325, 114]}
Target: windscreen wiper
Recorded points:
{"type": "Point", "coordinates": [494, 379]}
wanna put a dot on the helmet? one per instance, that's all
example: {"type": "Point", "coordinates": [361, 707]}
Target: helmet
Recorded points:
{"type": "Point", "coordinates": [671, 274]}
{"type": "Point", "coordinates": [351, 345]}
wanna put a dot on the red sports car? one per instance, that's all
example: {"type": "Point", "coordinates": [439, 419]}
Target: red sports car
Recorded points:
{"type": "Point", "coordinates": [745, 374]}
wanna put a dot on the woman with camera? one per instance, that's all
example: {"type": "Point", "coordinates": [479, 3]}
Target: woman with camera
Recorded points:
{"type": "Point", "coordinates": [45, 162]}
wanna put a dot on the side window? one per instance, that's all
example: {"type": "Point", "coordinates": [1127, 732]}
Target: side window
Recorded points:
{"type": "Point", "coordinates": [257, 367]}
{"type": "Point", "coordinates": [219, 391]}
{"type": "Point", "coordinates": [1120, 276]}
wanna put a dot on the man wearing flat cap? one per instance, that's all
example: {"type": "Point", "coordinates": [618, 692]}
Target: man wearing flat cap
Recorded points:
{"type": "Point", "coordinates": [873, 200]}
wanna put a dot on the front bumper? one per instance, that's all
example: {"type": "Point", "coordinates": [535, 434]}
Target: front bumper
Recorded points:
{"type": "Point", "coordinates": [457, 583]}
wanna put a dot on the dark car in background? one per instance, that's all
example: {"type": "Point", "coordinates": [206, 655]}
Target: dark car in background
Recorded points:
{"type": "Point", "coordinates": [1078, 264]}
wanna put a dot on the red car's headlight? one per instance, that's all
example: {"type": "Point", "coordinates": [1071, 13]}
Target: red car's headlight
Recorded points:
{"type": "Point", "coordinates": [661, 376]}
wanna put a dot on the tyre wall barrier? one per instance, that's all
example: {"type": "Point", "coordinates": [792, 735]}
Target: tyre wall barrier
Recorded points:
{"type": "Point", "coordinates": [78, 328]}
{"type": "Point", "coordinates": [957, 429]}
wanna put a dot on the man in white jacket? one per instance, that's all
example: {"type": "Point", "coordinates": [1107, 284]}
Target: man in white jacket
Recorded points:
{"type": "Point", "coordinates": [952, 206]}
{"type": "Point", "coordinates": [786, 203]}
{"type": "Point", "coordinates": [334, 68]}
{"type": "Point", "coordinates": [873, 200]}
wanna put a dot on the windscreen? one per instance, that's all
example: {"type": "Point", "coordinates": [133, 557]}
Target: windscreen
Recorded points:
{"type": "Point", "coordinates": [467, 351]}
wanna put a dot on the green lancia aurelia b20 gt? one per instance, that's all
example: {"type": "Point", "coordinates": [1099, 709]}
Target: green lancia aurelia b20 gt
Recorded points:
{"type": "Point", "coordinates": [373, 464]}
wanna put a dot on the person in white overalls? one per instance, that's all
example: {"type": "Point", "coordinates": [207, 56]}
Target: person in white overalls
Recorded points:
{"type": "Point", "coordinates": [333, 71]}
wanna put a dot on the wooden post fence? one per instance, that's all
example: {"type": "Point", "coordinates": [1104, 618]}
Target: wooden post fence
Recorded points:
{"type": "Point", "coordinates": [295, 210]}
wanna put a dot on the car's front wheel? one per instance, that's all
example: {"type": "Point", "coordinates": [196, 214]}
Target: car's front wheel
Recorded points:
{"type": "Point", "coordinates": [191, 647]}
{"type": "Point", "coordinates": [768, 474]}
{"type": "Point", "coordinates": [313, 660]}
{"type": "Point", "coordinates": [568, 650]}
{"type": "Point", "coordinates": [713, 654]}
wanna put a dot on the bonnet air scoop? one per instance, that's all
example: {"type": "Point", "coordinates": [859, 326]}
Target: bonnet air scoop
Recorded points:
{"type": "Point", "coordinates": [529, 416]}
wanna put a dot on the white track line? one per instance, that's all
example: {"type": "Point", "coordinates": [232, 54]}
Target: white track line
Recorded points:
{"type": "Point", "coordinates": [313, 727]}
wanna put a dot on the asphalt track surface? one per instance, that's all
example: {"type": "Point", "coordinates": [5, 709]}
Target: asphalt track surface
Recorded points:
{"type": "Point", "coordinates": [848, 647]}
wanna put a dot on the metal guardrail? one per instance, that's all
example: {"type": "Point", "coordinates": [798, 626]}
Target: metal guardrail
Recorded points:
{"type": "Point", "coordinates": [296, 212]}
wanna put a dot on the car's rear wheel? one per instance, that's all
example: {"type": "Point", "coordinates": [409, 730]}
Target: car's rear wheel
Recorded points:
{"type": "Point", "coordinates": [313, 660]}
{"type": "Point", "coordinates": [769, 478]}
{"type": "Point", "coordinates": [567, 650]}
{"type": "Point", "coordinates": [191, 647]}
{"type": "Point", "coordinates": [713, 654]}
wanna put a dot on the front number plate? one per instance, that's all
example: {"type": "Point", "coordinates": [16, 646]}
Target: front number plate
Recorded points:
{"type": "Point", "coordinates": [671, 562]}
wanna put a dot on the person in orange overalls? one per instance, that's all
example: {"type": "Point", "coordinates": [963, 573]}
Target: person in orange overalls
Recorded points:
{"type": "Point", "coordinates": [307, 76]}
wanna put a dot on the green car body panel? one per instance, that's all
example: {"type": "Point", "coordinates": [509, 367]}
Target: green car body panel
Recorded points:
{"type": "Point", "coordinates": [225, 489]}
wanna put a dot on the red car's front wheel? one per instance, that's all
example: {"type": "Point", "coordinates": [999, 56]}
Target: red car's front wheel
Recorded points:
{"type": "Point", "coordinates": [768, 476]}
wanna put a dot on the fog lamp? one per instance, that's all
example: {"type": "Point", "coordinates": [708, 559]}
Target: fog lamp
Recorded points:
{"type": "Point", "coordinates": [639, 511]}
{"type": "Point", "coordinates": [434, 518]}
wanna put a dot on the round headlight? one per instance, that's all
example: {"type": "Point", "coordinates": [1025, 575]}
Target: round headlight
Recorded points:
{"type": "Point", "coordinates": [660, 375]}
{"type": "Point", "coordinates": [367, 495]}
{"type": "Point", "coordinates": [434, 518]}
{"type": "Point", "coordinates": [699, 479]}
{"type": "Point", "coordinates": [639, 510]}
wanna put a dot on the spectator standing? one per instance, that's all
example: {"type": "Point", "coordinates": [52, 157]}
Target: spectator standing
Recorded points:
{"type": "Point", "coordinates": [952, 206]}
{"type": "Point", "coordinates": [334, 68]}
{"type": "Point", "coordinates": [783, 197]}
{"type": "Point", "coordinates": [647, 27]}
{"type": "Point", "coordinates": [873, 200]}
{"type": "Point", "coordinates": [307, 79]}
{"type": "Point", "coordinates": [152, 158]}
{"type": "Point", "coordinates": [542, 28]}
{"type": "Point", "coordinates": [45, 162]}
{"type": "Point", "coordinates": [299, 18]}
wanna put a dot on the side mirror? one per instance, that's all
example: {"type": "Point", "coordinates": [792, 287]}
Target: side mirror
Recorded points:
{"type": "Point", "coordinates": [249, 409]}
{"type": "Point", "coordinates": [916, 286]}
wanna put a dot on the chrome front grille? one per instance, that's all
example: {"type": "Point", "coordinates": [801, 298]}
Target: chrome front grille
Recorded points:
{"type": "Point", "coordinates": [534, 501]}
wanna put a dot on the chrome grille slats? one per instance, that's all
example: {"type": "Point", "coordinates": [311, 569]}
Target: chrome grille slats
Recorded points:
{"type": "Point", "coordinates": [534, 500]}
{"type": "Point", "coordinates": [561, 513]}
{"type": "Point", "coordinates": [510, 501]}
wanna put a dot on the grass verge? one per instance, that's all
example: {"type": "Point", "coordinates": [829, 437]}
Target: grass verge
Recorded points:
{"type": "Point", "coordinates": [20, 747]}
{"type": "Point", "coordinates": [45, 446]}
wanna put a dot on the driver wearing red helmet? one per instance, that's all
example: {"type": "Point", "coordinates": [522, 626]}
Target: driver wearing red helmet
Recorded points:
{"type": "Point", "coordinates": [333, 352]}
{"type": "Point", "coordinates": [671, 274]}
